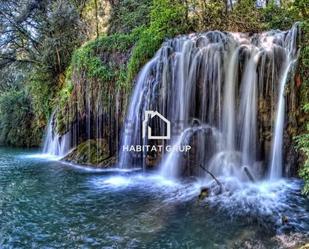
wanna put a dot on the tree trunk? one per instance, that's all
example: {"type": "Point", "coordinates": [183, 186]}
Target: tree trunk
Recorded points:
{"type": "Point", "coordinates": [96, 17]}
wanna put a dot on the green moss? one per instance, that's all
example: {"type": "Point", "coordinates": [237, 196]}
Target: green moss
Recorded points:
{"type": "Point", "coordinates": [97, 67]}
{"type": "Point", "coordinates": [62, 102]}
{"type": "Point", "coordinates": [87, 57]}
{"type": "Point", "coordinates": [91, 152]}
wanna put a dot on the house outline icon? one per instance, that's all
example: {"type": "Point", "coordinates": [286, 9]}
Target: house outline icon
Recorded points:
{"type": "Point", "coordinates": [147, 128]}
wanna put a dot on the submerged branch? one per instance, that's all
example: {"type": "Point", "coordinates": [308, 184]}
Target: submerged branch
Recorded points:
{"type": "Point", "coordinates": [216, 180]}
{"type": "Point", "coordinates": [248, 173]}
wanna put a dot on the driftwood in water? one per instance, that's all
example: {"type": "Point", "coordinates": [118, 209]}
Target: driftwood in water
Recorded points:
{"type": "Point", "coordinates": [248, 173]}
{"type": "Point", "coordinates": [215, 178]}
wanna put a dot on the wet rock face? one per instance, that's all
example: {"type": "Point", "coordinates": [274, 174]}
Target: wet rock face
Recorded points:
{"type": "Point", "coordinates": [94, 113]}
{"type": "Point", "coordinates": [292, 127]}
{"type": "Point", "coordinates": [95, 108]}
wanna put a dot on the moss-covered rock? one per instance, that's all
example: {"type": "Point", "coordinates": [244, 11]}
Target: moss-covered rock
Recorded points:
{"type": "Point", "coordinates": [94, 152]}
{"type": "Point", "coordinates": [95, 81]}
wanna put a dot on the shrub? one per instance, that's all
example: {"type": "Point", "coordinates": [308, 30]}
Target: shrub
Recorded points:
{"type": "Point", "coordinates": [16, 116]}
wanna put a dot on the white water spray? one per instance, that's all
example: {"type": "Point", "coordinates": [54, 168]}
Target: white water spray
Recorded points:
{"type": "Point", "coordinates": [54, 144]}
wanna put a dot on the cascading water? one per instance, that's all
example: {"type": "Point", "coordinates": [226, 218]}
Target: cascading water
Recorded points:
{"type": "Point", "coordinates": [216, 80]}
{"type": "Point", "coordinates": [276, 158]}
{"type": "Point", "coordinates": [54, 144]}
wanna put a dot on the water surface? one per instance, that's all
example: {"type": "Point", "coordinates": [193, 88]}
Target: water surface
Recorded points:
{"type": "Point", "coordinates": [48, 204]}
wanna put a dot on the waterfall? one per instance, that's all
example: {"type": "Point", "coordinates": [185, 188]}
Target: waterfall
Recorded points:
{"type": "Point", "coordinates": [211, 87]}
{"type": "Point", "coordinates": [55, 144]}
{"type": "Point", "coordinates": [276, 169]}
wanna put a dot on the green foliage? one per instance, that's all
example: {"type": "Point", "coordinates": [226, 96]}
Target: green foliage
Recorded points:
{"type": "Point", "coordinates": [16, 127]}
{"type": "Point", "coordinates": [213, 16]}
{"type": "Point", "coordinates": [303, 146]}
{"type": "Point", "coordinates": [96, 68]}
{"type": "Point", "coordinates": [303, 70]}
{"type": "Point", "coordinates": [88, 58]}
{"type": "Point", "coordinates": [58, 44]}
{"type": "Point", "coordinates": [63, 37]}
{"type": "Point", "coordinates": [66, 91]}
{"type": "Point", "coordinates": [41, 91]}
{"type": "Point", "coordinates": [302, 8]}
{"type": "Point", "coordinates": [167, 19]}
{"type": "Point", "coordinates": [279, 17]}
{"type": "Point", "coordinates": [12, 77]}
{"type": "Point", "coordinates": [40, 55]}
{"type": "Point", "coordinates": [127, 15]}
{"type": "Point", "coordinates": [304, 55]}
{"type": "Point", "coordinates": [245, 17]}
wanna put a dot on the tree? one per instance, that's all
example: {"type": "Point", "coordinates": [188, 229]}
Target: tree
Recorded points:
{"type": "Point", "coordinates": [37, 39]}
{"type": "Point", "coordinates": [43, 33]}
